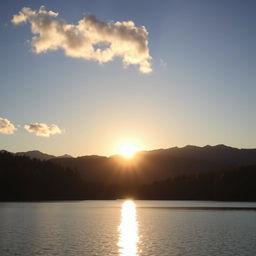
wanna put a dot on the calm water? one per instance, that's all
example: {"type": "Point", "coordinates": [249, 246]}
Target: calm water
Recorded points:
{"type": "Point", "coordinates": [128, 228]}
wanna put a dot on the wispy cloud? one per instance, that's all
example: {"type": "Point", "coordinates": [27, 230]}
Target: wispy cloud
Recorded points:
{"type": "Point", "coordinates": [41, 129]}
{"type": "Point", "coordinates": [163, 63]}
{"type": "Point", "coordinates": [90, 38]}
{"type": "Point", "coordinates": [6, 127]}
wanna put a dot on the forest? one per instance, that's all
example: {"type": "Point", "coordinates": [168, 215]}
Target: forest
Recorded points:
{"type": "Point", "coordinates": [26, 179]}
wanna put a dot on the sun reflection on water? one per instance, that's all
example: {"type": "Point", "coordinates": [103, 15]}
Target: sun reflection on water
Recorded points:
{"type": "Point", "coordinates": [128, 230]}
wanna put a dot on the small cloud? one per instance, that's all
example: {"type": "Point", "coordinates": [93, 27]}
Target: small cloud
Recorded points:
{"type": "Point", "coordinates": [163, 63]}
{"type": "Point", "coordinates": [41, 129]}
{"type": "Point", "coordinates": [6, 127]}
{"type": "Point", "coordinates": [116, 39]}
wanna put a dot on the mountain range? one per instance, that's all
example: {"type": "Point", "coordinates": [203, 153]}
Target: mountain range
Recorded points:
{"type": "Point", "coordinates": [154, 165]}
{"type": "Point", "coordinates": [189, 173]}
{"type": "Point", "coordinates": [36, 154]}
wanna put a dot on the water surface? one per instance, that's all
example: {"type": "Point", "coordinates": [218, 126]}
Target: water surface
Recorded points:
{"type": "Point", "coordinates": [139, 228]}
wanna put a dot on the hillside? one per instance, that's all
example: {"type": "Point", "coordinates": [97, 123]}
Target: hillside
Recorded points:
{"type": "Point", "coordinates": [156, 165]}
{"type": "Point", "coordinates": [26, 179]}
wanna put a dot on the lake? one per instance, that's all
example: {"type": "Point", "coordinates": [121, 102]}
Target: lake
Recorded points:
{"type": "Point", "coordinates": [128, 228]}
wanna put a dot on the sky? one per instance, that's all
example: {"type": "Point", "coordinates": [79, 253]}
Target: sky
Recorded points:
{"type": "Point", "coordinates": [157, 73]}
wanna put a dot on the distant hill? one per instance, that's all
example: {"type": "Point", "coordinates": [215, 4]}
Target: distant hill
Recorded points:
{"type": "Point", "coordinates": [65, 156]}
{"type": "Point", "coordinates": [25, 179]}
{"type": "Point", "coordinates": [156, 165]}
{"type": "Point", "coordinates": [152, 166]}
{"type": "Point", "coordinates": [219, 153]}
{"type": "Point", "coordinates": [35, 154]}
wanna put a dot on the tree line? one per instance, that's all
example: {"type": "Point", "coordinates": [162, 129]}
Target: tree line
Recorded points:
{"type": "Point", "coordinates": [26, 179]}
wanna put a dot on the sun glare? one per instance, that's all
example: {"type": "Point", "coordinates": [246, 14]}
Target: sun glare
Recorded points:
{"type": "Point", "coordinates": [128, 150]}
{"type": "Point", "coordinates": [128, 230]}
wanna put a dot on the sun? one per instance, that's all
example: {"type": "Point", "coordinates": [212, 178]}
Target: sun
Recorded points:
{"type": "Point", "coordinates": [128, 149]}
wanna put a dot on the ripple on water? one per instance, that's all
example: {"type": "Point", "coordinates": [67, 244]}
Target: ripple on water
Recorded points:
{"type": "Point", "coordinates": [93, 228]}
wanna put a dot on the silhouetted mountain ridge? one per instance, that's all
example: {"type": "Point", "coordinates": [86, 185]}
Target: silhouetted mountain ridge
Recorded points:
{"type": "Point", "coordinates": [153, 165]}
{"type": "Point", "coordinates": [28, 179]}
{"type": "Point", "coordinates": [156, 165]}
{"type": "Point", "coordinates": [219, 153]}
{"type": "Point", "coordinates": [35, 154]}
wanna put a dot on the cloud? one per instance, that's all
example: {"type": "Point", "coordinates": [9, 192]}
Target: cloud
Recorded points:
{"type": "Point", "coordinates": [6, 127]}
{"type": "Point", "coordinates": [41, 129]}
{"type": "Point", "coordinates": [163, 63]}
{"type": "Point", "coordinates": [90, 38]}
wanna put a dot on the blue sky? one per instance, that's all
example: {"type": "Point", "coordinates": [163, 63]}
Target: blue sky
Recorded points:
{"type": "Point", "coordinates": [201, 90]}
